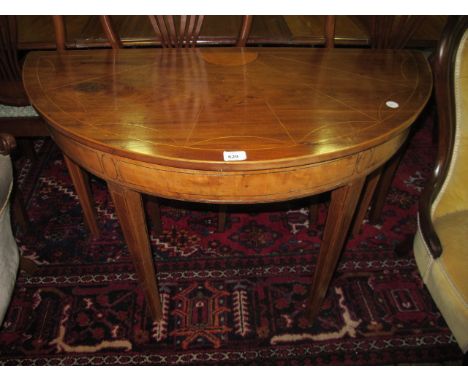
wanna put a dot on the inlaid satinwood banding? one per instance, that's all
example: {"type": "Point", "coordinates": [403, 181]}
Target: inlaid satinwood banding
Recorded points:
{"type": "Point", "coordinates": [229, 187]}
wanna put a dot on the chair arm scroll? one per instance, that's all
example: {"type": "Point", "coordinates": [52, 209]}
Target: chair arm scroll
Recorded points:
{"type": "Point", "coordinates": [7, 143]}
{"type": "Point", "coordinates": [427, 226]}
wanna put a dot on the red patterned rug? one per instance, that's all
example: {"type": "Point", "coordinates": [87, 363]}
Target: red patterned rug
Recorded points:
{"type": "Point", "coordinates": [232, 298]}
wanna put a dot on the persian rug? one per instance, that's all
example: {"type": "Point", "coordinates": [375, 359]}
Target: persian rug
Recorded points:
{"type": "Point", "coordinates": [231, 298]}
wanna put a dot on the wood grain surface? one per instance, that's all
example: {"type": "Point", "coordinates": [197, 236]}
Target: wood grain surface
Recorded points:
{"type": "Point", "coordinates": [184, 109]}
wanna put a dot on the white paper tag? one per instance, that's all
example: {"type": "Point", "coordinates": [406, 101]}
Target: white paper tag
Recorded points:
{"type": "Point", "coordinates": [230, 156]}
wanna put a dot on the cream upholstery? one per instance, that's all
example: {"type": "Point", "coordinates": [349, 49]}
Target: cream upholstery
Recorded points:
{"type": "Point", "coordinates": [454, 195]}
{"type": "Point", "coordinates": [447, 276]}
{"type": "Point", "coordinates": [9, 257]}
{"type": "Point", "coordinates": [7, 111]}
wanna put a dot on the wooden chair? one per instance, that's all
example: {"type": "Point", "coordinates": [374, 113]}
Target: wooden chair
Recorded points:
{"type": "Point", "coordinates": [439, 246]}
{"type": "Point", "coordinates": [393, 32]}
{"type": "Point", "coordinates": [179, 33]}
{"type": "Point", "coordinates": [386, 32]}
{"type": "Point", "coordinates": [17, 117]}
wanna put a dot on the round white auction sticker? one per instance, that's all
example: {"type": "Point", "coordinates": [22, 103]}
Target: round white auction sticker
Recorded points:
{"type": "Point", "coordinates": [392, 104]}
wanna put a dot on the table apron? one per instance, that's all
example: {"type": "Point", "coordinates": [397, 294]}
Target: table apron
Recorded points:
{"type": "Point", "coordinates": [233, 187]}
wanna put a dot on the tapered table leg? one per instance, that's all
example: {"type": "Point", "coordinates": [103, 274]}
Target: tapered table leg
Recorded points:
{"type": "Point", "coordinates": [313, 211]}
{"type": "Point", "coordinates": [340, 213]}
{"type": "Point", "coordinates": [383, 187]}
{"type": "Point", "coordinates": [222, 214]}
{"type": "Point", "coordinates": [154, 211]}
{"type": "Point", "coordinates": [129, 207]}
{"type": "Point", "coordinates": [366, 198]}
{"type": "Point", "coordinates": [81, 183]}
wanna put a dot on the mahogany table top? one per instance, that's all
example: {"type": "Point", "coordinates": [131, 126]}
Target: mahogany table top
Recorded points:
{"type": "Point", "coordinates": [185, 108]}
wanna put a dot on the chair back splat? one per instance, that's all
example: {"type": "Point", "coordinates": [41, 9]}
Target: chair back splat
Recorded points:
{"type": "Point", "coordinates": [330, 24]}
{"type": "Point", "coordinates": [393, 32]}
{"type": "Point", "coordinates": [175, 31]}
{"type": "Point", "coordinates": [11, 89]}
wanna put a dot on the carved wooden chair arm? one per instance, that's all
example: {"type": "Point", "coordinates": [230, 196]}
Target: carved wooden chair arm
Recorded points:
{"type": "Point", "coordinates": [443, 68]}
{"type": "Point", "coordinates": [7, 143]}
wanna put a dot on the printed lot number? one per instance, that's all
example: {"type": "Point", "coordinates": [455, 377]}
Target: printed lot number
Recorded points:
{"type": "Point", "coordinates": [230, 156]}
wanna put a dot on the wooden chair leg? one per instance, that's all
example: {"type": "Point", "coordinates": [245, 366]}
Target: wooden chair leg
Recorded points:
{"type": "Point", "coordinates": [154, 212]}
{"type": "Point", "coordinates": [21, 219]}
{"type": "Point", "coordinates": [81, 183]}
{"type": "Point", "coordinates": [27, 146]}
{"type": "Point", "coordinates": [405, 246]}
{"type": "Point", "coordinates": [29, 266]}
{"type": "Point", "coordinates": [19, 212]}
{"type": "Point", "coordinates": [222, 218]}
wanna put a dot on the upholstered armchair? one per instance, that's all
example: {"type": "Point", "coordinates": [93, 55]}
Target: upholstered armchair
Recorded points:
{"type": "Point", "coordinates": [9, 256]}
{"type": "Point", "coordinates": [440, 246]}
